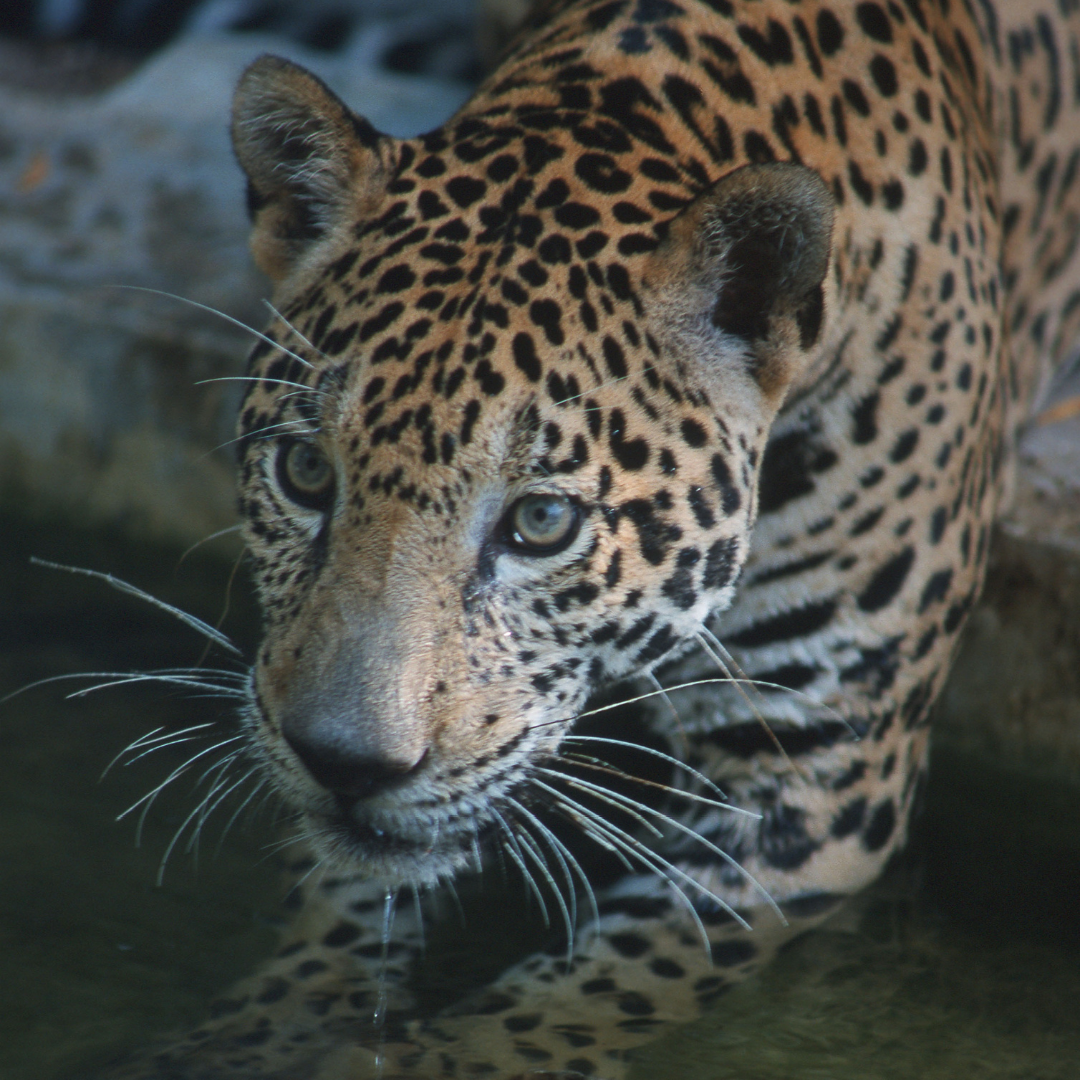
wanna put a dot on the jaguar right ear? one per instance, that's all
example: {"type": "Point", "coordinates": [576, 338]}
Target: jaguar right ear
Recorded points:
{"type": "Point", "coordinates": [310, 161]}
{"type": "Point", "coordinates": [748, 259]}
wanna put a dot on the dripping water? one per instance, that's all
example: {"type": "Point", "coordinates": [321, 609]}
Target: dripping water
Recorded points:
{"type": "Point", "coordinates": [381, 992]}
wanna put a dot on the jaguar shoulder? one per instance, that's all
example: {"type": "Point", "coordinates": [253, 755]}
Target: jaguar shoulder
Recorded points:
{"type": "Point", "coordinates": [689, 350]}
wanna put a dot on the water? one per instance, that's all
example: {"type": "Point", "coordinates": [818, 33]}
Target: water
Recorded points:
{"type": "Point", "coordinates": [94, 957]}
{"type": "Point", "coordinates": [381, 992]}
{"type": "Point", "coordinates": [963, 962]}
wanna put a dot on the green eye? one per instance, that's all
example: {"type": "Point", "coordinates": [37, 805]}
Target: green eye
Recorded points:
{"type": "Point", "coordinates": [542, 524]}
{"type": "Point", "coordinates": [305, 475]}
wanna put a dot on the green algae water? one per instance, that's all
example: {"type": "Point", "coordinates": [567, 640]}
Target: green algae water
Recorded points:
{"type": "Point", "coordinates": [94, 956]}
{"type": "Point", "coordinates": [964, 962]}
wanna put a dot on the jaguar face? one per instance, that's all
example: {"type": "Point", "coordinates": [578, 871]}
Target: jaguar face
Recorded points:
{"type": "Point", "coordinates": [468, 505]}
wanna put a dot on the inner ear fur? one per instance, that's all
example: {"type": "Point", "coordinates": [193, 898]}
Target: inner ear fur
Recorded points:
{"type": "Point", "coordinates": [309, 160]}
{"type": "Point", "coordinates": [750, 256]}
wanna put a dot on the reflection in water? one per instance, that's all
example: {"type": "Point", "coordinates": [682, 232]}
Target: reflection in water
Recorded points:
{"type": "Point", "coordinates": [962, 963]}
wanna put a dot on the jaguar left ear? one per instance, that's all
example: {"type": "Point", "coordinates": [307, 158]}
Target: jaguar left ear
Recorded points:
{"type": "Point", "coordinates": [309, 160]}
{"type": "Point", "coordinates": [748, 258]}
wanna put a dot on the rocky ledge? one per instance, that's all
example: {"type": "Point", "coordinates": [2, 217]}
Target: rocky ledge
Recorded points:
{"type": "Point", "coordinates": [112, 179]}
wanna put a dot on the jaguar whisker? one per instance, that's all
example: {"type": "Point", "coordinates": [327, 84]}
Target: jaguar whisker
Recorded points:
{"type": "Point", "coordinates": [160, 746]}
{"type": "Point", "coordinates": [635, 846]}
{"type": "Point", "coordinates": [191, 621]}
{"type": "Point", "coordinates": [531, 849]}
{"type": "Point", "coordinates": [631, 805]}
{"type": "Point", "coordinates": [208, 539]}
{"type": "Point", "coordinates": [271, 431]}
{"type": "Point", "coordinates": [197, 815]}
{"type": "Point", "coordinates": [209, 807]}
{"type": "Point", "coordinates": [566, 859]}
{"type": "Point", "coordinates": [584, 761]}
{"type": "Point", "coordinates": [240, 809]}
{"type": "Point", "coordinates": [221, 315]}
{"type": "Point", "coordinates": [513, 850]}
{"type": "Point", "coordinates": [175, 774]}
{"type": "Point", "coordinates": [611, 837]}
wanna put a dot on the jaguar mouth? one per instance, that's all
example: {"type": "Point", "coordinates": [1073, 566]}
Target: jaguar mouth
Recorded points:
{"type": "Point", "coordinates": [399, 851]}
{"type": "Point", "coordinates": [360, 832]}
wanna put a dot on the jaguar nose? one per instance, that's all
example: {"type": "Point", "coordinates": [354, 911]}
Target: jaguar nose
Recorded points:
{"type": "Point", "coordinates": [344, 771]}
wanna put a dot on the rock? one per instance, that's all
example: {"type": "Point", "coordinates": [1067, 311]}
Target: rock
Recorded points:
{"type": "Point", "coordinates": [1014, 692]}
{"type": "Point", "coordinates": [1046, 509]}
{"type": "Point", "coordinates": [106, 416]}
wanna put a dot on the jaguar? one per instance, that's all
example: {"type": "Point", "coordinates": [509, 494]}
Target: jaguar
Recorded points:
{"type": "Point", "coordinates": [687, 355]}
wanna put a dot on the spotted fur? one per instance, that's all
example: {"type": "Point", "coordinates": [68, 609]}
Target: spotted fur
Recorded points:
{"type": "Point", "coordinates": [758, 291]}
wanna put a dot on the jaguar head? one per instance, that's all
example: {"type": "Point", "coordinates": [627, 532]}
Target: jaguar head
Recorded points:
{"type": "Point", "coordinates": [500, 445]}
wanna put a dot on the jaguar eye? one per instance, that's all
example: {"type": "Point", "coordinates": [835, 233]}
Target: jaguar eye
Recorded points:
{"type": "Point", "coordinates": [542, 524]}
{"type": "Point", "coordinates": [305, 474]}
